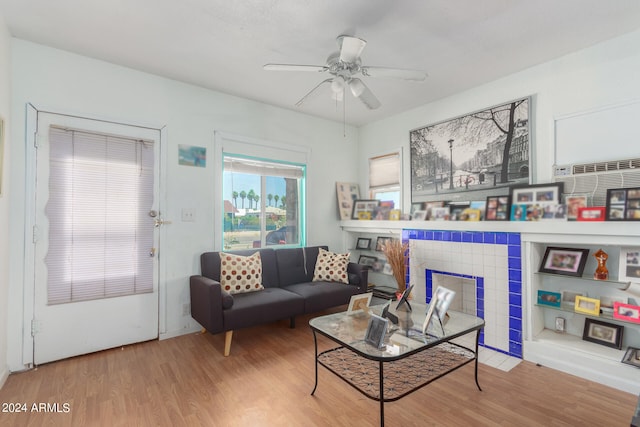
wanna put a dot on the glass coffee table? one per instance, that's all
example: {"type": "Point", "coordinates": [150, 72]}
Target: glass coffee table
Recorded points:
{"type": "Point", "coordinates": [408, 359]}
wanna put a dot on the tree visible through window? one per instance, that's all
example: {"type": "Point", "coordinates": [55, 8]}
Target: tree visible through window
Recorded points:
{"type": "Point", "coordinates": [262, 203]}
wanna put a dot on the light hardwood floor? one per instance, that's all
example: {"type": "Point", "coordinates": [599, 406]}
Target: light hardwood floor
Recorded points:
{"type": "Point", "coordinates": [267, 381]}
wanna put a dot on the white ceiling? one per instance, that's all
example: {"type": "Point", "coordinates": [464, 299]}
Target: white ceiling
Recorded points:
{"type": "Point", "coordinates": [223, 44]}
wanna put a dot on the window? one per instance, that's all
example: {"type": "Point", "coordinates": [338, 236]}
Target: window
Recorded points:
{"type": "Point", "coordinates": [100, 234]}
{"type": "Point", "coordinates": [384, 178]}
{"type": "Point", "coordinates": [263, 203]}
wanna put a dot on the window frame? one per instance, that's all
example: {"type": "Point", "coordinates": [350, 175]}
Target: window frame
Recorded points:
{"type": "Point", "coordinates": [374, 191]}
{"type": "Point", "coordinates": [227, 144]}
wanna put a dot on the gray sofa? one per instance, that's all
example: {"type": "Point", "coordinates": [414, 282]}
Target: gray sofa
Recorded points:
{"type": "Point", "coordinates": [289, 291]}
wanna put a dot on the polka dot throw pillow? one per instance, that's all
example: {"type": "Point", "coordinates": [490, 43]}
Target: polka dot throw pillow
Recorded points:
{"type": "Point", "coordinates": [331, 267]}
{"type": "Point", "coordinates": [240, 274]}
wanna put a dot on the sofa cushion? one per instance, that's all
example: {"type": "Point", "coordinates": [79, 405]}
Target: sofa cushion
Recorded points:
{"type": "Point", "coordinates": [331, 267]}
{"type": "Point", "coordinates": [258, 308]}
{"type": "Point", "coordinates": [322, 295]}
{"type": "Point", "coordinates": [210, 265]}
{"type": "Point", "coordinates": [240, 273]}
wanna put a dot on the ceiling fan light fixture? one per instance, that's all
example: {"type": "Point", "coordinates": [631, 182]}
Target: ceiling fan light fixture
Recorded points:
{"type": "Point", "coordinates": [337, 85]}
{"type": "Point", "coordinates": [337, 96]}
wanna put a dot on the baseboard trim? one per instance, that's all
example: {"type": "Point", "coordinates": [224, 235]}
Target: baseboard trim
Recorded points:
{"type": "Point", "coordinates": [177, 333]}
{"type": "Point", "coordinates": [3, 376]}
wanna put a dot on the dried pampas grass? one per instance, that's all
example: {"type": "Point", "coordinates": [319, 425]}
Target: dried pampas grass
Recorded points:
{"type": "Point", "coordinates": [395, 251]}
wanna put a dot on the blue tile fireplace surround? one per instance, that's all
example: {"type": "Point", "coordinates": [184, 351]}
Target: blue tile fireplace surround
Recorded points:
{"type": "Point", "coordinates": [491, 261]}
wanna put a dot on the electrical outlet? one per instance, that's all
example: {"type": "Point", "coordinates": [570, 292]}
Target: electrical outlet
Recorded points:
{"type": "Point", "coordinates": [186, 309]}
{"type": "Point", "coordinates": [188, 215]}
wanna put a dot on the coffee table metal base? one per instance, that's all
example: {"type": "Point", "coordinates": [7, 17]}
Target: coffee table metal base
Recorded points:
{"type": "Point", "coordinates": [389, 381]}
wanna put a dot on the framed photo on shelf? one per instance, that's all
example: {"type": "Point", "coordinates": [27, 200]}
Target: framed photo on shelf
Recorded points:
{"type": "Point", "coordinates": [518, 212]}
{"type": "Point", "coordinates": [439, 213]}
{"type": "Point", "coordinates": [593, 213]}
{"type": "Point", "coordinates": [363, 209]}
{"type": "Point", "coordinates": [603, 333]}
{"type": "Point", "coordinates": [551, 299]}
{"type": "Point", "coordinates": [586, 305]}
{"type": "Point", "coordinates": [629, 267]}
{"type": "Point", "coordinates": [632, 357]}
{"type": "Point", "coordinates": [419, 215]}
{"type": "Point", "coordinates": [470, 214]}
{"type": "Point", "coordinates": [537, 193]}
{"type": "Point", "coordinates": [573, 203]}
{"type": "Point", "coordinates": [623, 204]}
{"type": "Point", "coordinates": [367, 260]}
{"type": "Point", "coordinates": [569, 297]}
{"type": "Point", "coordinates": [378, 265]}
{"type": "Point", "coordinates": [497, 208]}
{"type": "Point", "coordinates": [359, 302]}
{"type": "Point", "coordinates": [565, 261]}
{"type": "Point", "coordinates": [376, 330]}
{"type": "Point", "coordinates": [363, 243]}
{"type": "Point", "coordinates": [381, 241]}
{"type": "Point", "coordinates": [627, 312]}
{"type": "Point", "coordinates": [347, 192]}
{"type": "Point", "coordinates": [395, 214]}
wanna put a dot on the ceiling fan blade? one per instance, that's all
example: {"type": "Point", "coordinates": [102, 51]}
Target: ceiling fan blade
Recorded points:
{"type": "Point", "coordinates": [295, 67]}
{"type": "Point", "coordinates": [312, 92]}
{"type": "Point", "coordinates": [350, 48]}
{"type": "Point", "coordinates": [364, 94]}
{"type": "Point", "coordinates": [394, 73]}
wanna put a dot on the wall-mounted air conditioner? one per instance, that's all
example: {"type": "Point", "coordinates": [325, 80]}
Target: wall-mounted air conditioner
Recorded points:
{"type": "Point", "coordinates": [594, 179]}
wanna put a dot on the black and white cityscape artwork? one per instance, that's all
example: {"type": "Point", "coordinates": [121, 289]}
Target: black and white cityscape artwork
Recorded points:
{"type": "Point", "coordinates": [473, 156]}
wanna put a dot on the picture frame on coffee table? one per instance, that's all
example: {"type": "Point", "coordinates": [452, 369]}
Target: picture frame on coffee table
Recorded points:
{"type": "Point", "coordinates": [359, 302]}
{"type": "Point", "coordinates": [376, 330]}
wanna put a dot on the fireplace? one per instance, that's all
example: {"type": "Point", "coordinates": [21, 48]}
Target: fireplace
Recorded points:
{"type": "Point", "coordinates": [483, 268]}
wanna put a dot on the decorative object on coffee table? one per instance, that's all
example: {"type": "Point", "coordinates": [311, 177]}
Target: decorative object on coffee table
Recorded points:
{"type": "Point", "coordinates": [601, 272]}
{"type": "Point", "coordinates": [396, 251]}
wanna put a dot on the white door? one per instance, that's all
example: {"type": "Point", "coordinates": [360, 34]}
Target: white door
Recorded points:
{"type": "Point", "coordinates": [90, 293]}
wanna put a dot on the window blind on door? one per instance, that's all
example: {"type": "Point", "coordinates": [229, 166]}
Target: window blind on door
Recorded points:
{"type": "Point", "coordinates": [100, 233]}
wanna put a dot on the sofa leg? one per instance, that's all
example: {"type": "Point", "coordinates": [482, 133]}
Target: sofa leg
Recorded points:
{"type": "Point", "coordinates": [227, 342]}
{"type": "Point", "coordinates": [292, 322]}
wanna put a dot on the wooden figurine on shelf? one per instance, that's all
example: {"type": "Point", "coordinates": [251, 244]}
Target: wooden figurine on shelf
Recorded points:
{"type": "Point", "coordinates": [601, 272]}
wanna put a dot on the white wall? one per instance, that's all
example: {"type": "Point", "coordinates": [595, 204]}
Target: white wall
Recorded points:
{"type": "Point", "coordinates": [602, 75]}
{"type": "Point", "coordinates": [5, 54]}
{"type": "Point", "coordinates": [59, 81]}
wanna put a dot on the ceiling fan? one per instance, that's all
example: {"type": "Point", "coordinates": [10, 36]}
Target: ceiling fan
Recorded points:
{"type": "Point", "coordinates": [343, 66]}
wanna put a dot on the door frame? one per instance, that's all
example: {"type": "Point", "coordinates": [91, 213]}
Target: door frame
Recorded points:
{"type": "Point", "coordinates": [31, 126]}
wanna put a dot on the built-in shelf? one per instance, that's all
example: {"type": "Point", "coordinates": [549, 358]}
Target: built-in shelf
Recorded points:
{"type": "Point", "coordinates": [614, 283]}
{"type": "Point", "coordinates": [565, 308]}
